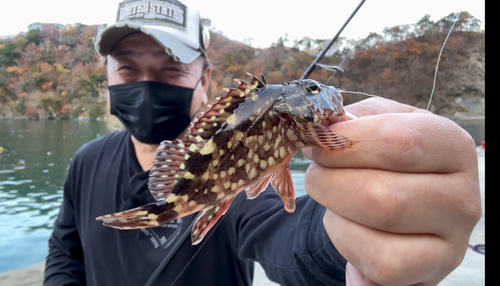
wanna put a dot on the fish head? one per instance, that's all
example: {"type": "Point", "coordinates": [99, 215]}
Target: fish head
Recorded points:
{"type": "Point", "coordinates": [308, 101]}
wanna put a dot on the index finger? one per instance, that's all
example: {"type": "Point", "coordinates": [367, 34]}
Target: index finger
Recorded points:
{"type": "Point", "coordinates": [378, 105]}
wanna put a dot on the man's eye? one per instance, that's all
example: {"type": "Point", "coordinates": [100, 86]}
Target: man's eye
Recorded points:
{"type": "Point", "coordinates": [171, 69]}
{"type": "Point", "coordinates": [127, 68]}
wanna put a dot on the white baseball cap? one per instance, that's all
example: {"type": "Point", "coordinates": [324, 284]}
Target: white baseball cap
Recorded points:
{"type": "Point", "coordinates": [171, 23]}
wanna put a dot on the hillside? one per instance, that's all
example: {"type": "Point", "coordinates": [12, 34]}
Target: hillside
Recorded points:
{"type": "Point", "coordinates": [52, 70]}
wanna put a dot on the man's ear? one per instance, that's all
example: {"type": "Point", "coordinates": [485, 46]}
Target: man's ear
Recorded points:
{"type": "Point", "coordinates": [205, 78]}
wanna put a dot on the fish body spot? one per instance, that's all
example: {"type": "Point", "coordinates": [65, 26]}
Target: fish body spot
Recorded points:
{"type": "Point", "coordinates": [188, 176]}
{"type": "Point", "coordinates": [291, 135]}
{"type": "Point", "coordinates": [277, 142]}
{"type": "Point", "coordinates": [215, 162]}
{"type": "Point", "coordinates": [222, 174]}
{"type": "Point", "coordinates": [267, 147]}
{"type": "Point", "coordinates": [263, 164]}
{"type": "Point", "coordinates": [256, 158]}
{"type": "Point", "coordinates": [239, 135]}
{"type": "Point", "coordinates": [271, 161]}
{"type": "Point", "coordinates": [208, 148]}
{"type": "Point", "coordinates": [231, 170]}
{"type": "Point", "coordinates": [282, 152]}
{"type": "Point", "coordinates": [171, 199]}
{"type": "Point", "coordinates": [205, 176]}
{"type": "Point", "coordinates": [253, 173]}
{"type": "Point", "coordinates": [240, 162]}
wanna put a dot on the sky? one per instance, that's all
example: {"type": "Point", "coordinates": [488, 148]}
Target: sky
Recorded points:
{"type": "Point", "coordinates": [263, 20]}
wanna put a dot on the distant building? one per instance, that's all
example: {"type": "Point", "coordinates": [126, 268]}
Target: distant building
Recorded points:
{"type": "Point", "coordinates": [40, 26]}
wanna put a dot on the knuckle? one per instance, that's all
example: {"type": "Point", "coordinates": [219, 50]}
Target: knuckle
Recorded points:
{"type": "Point", "coordinates": [386, 267]}
{"type": "Point", "coordinates": [383, 202]}
{"type": "Point", "coordinates": [402, 144]}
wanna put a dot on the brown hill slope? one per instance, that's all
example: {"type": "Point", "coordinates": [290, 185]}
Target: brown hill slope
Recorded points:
{"type": "Point", "coordinates": [52, 70]}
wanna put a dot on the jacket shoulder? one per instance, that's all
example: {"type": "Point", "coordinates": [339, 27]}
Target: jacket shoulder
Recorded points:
{"type": "Point", "coordinates": [101, 144]}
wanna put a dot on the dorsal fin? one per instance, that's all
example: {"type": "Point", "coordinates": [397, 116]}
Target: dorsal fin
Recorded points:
{"type": "Point", "coordinates": [170, 162]}
{"type": "Point", "coordinates": [211, 121]}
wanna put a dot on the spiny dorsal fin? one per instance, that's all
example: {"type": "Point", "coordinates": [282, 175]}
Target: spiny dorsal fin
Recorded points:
{"type": "Point", "coordinates": [211, 121]}
{"type": "Point", "coordinates": [170, 162]}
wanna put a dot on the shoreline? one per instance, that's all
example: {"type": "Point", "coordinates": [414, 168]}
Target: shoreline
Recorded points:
{"type": "Point", "coordinates": [6, 118]}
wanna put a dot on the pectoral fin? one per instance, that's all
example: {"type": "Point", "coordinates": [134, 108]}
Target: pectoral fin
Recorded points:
{"type": "Point", "coordinates": [322, 136]}
{"type": "Point", "coordinates": [283, 185]}
{"type": "Point", "coordinates": [207, 220]}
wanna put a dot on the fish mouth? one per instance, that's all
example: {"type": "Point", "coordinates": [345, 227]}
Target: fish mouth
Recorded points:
{"type": "Point", "coordinates": [331, 116]}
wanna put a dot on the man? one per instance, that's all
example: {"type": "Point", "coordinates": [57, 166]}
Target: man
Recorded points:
{"type": "Point", "coordinates": [396, 210]}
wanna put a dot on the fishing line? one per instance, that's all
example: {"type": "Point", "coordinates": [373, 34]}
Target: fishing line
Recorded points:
{"type": "Point", "coordinates": [336, 68]}
{"type": "Point", "coordinates": [439, 57]}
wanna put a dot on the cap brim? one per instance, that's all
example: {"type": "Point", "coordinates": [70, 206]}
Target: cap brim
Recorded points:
{"type": "Point", "coordinates": [111, 35]}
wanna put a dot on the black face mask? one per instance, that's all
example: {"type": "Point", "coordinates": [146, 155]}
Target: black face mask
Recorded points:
{"type": "Point", "coordinates": [152, 111]}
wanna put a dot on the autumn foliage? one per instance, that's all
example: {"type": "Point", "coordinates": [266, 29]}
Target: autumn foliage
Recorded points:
{"type": "Point", "coordinates": [52, 71]}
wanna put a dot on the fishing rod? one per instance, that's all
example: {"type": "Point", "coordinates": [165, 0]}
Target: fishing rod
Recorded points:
{"type": "Point", "coordinates": [311, 67]}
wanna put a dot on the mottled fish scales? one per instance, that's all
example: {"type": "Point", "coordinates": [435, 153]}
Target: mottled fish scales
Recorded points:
{"type": "Point", "coordinates": [244, 142]}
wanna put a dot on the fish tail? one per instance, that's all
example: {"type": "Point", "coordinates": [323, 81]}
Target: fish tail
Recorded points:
{"type": "Point", "coordinates": [150, 215]}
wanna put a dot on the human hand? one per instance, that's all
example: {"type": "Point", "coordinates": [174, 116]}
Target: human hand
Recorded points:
{"type": "Point", "coordinates": [402, 203]}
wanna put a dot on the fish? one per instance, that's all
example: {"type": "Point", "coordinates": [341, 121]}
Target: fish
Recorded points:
{"type": "Point", "coordinates": [243, 142]}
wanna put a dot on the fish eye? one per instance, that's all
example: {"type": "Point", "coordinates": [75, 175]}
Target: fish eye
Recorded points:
{"type": "Point", "coordinates": [313, 87]}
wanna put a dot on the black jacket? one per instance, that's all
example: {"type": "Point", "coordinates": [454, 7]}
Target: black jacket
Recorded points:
{"type": "Point", "coordinates": [105, 177]}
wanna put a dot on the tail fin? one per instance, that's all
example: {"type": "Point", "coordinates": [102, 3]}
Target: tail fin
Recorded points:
{"type": "Point", "coordinates": [149, 215]}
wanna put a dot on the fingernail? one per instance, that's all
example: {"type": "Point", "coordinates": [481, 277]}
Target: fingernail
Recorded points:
{"type": "Point", "coordinates": [353, 276]}
{"type": "Point", "coordinates": [307, 152]}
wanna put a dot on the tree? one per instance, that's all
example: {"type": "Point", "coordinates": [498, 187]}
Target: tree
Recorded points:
{"type": "Point", "coordinates": [33, 36]}
{"type": "Point", "coordinates": [50, 32]}
{"type": "Point", "coordinates": [423, 25]}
